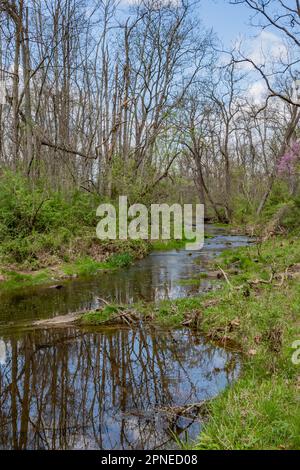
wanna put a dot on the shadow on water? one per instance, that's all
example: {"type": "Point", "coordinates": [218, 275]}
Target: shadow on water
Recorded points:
{"type": "Point", "coordinates": [109, 388]}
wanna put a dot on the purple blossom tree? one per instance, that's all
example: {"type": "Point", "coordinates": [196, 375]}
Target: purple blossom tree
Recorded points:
{"type": "Point", "coordinates": [290, 159]}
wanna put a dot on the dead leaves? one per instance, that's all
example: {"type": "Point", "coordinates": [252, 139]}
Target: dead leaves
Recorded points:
{"type": "Point", "coordinates": [274, 338]}
{"type": "Point", "coordinates": [222, 334]}
{"type": "Point", "coordinates": [234, 324]}
{"type": "Point", "coordinates": [257, 339]}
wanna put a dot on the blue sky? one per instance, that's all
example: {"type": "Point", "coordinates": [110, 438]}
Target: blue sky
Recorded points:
{"type": "Point", "coordinates": [228, 21]}
{"type": "Point", "coordinates": [232, 25]}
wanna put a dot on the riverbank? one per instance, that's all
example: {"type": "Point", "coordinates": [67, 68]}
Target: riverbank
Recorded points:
{"type": "Point", "coordinates": [105, 257]}
{"type": "Point", "coordinates": [256, 312]}
{"type": "Point", "coordinates": [259, 308]}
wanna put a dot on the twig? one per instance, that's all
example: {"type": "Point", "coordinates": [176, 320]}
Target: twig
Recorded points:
{"type": "Point", "coordinates": [225, 276]}
{"type": "Point", "coordinates": [103, 300]}
{"type": "Point", "coordinates": [262, 281]}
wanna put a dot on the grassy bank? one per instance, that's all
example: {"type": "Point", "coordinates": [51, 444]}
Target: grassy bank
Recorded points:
{"type": "Point", "coordinates": [257, 311]}
{"type": "Point", "coordinates": [105, 256]}
{"type": "Point", "coordinates": [83, 266]}
{"type": "Point", "coordinates": [260, 309]}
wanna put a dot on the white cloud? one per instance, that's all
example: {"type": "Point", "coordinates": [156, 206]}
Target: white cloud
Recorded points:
{"type": "Point", "coordinates": [266, 49]}
{"type": "Point", "coordinates": [257, 91]}
{"type": "Point", "coordinates": [268, 46]}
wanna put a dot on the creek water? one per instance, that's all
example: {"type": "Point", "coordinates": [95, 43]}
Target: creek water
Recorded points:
{"type": "Point", "coordinates": [109, 388]}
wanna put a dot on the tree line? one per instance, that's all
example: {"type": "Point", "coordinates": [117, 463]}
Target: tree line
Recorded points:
{"type": "Point", "coordinates": [142, 99]}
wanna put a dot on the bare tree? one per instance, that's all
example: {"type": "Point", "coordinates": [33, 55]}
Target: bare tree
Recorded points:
{"type": "Point", "coordinates": [282, 17]}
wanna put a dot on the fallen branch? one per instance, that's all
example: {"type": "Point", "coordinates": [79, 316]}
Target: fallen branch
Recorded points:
{"type": "Point", "coordinates": [255, 282]}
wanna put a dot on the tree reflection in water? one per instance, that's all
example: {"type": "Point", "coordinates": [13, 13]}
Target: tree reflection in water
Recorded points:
{"type": "Point", "coordinates": [62, 389]}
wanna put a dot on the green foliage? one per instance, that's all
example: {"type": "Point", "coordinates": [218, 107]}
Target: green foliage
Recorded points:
{"type": "Point", "coordinates": [291, 219]}
{"type": "Point", "coordinates": [120, 260]}
{"type": "Point", "coordinates": [243, 211]}
{"type": "Point", "coordinates": [281, 198]}
{"type": "Point", "coordinates": [25, 210]}
{"type": "Point", "coordinates": [39, 227]}
{"type": "Point", "coordinates": [35, 220]}
{"type": "Point", "coordinates": [245, 203]}
{"type": "Point", "coordinates": [278, 197]}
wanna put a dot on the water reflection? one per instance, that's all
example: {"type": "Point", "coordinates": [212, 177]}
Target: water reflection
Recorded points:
{"type": "Point", "coordinates": [65, 389]}
{"type": "Point", "coordinates": [153, 278]}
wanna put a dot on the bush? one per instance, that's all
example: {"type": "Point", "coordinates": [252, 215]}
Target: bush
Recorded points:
{"type": "Point", "coordinates": [35, 220]}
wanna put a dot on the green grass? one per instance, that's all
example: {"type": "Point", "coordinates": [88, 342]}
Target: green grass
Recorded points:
{"type": "Point", "coordinates": [14, 280]}
{"type": "Point", "coordinates": [82, 267]}
{"type": "Point", "coordinates": [120, 260]}
{"type": "Point", "coordinates": [87, 266]}
{"type": "Point", "coordinates": [99, 317]}
{"type": "Point", "coordinates": [261, 410]}
{"type": "Point", "coordinates": [254, 414]}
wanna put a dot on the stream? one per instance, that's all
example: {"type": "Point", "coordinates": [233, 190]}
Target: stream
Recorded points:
{"type": "Point", "coordinates": [110, 388]}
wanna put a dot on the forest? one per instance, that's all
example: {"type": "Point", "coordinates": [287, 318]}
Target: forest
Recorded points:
{"type": "Point", "coordinates": [104, 98]}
